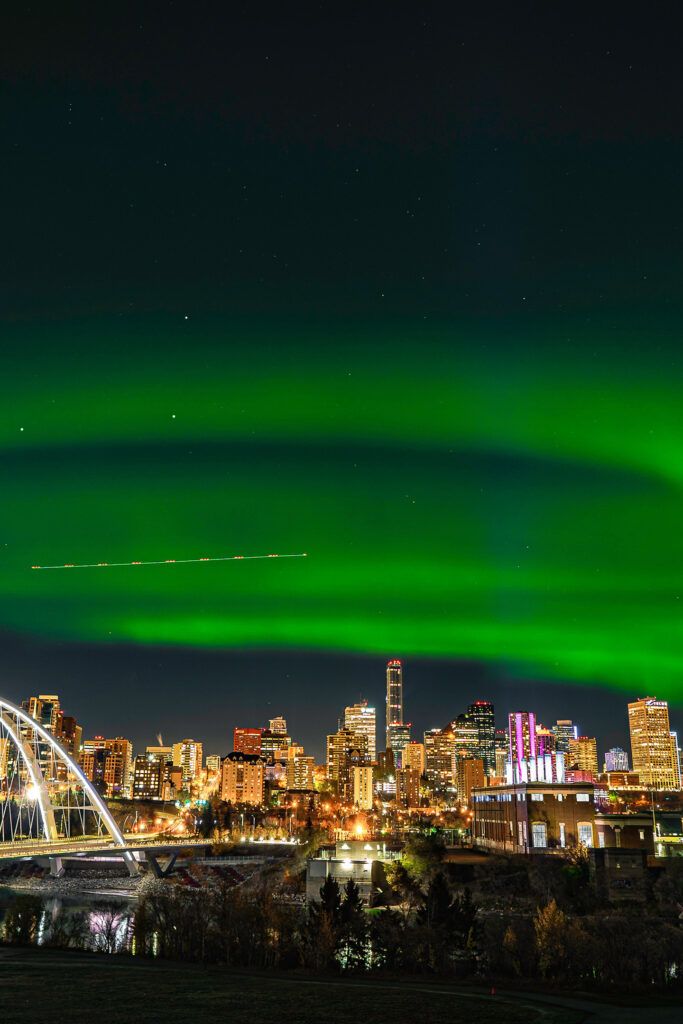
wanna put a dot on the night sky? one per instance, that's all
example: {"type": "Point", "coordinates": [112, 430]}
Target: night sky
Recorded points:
{"type": "Point", "coordinates": [402, 291]}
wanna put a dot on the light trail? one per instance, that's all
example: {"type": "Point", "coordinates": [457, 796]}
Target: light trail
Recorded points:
{"type": "Point", "coordinates": [167, 561]}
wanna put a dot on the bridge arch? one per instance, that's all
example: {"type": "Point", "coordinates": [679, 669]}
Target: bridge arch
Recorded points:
{"type": "Point", "coordinates": [54, 795]}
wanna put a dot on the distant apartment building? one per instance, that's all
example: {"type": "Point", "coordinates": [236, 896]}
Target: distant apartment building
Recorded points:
{"type": "Point", "coordinates": [469, 773]}
{"type": "Point", "coordinates": [107, 763]}
{"type": "Point", "coordinates": [345, 750]}
{"type": "Point", "coordinates": [243, 778]}
{"type": "Point", "coordinates": [362, 786]}
{"type": "Point", "coordinates": [301, 773]}
{"type": "Point", "coordinates": [408, 787]}
{"type": "Point", "coordinates": [149, 778]}
{"type": "Point", "coordinates": [187, 755]}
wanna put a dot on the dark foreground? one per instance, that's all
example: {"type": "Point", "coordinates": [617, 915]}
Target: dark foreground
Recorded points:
{"type": "Point", "coordinates": [47, 985]}
{"type": "Point", "coordinates": [43, 985]}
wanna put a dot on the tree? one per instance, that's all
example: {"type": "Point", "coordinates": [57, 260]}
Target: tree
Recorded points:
{"type": "Point", "coordinates": [423, 856]}
{"type": "Point", "coordinates": [353, 937]}
{"type": "Point", "coordinates": [552, 938]}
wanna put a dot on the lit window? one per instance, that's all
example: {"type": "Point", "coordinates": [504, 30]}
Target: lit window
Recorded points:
{"type": "Point", "coordinates": [583, 798]}
{"type": "Point", "coordinates": [538, 835]}
{"type": "Point", "coordinates": [586, 835]}
{"type": "Point", "coordinates": [641, 833]}
{"type": "Point", "coordinates": [537, 796]}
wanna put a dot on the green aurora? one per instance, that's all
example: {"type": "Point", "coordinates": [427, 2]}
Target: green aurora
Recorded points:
{"type": "Point", "coordinates": [469, 490]}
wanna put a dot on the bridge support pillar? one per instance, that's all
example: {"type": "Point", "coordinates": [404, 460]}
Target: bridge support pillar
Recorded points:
{"type": "Point", "coordinates": [56, 867]}
{"type": "Point", "coordinates": [132, 864]}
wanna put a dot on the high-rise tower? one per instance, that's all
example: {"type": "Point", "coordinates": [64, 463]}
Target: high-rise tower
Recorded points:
{"type": "Point", "coordinates": [481, 712]}
{"type": "Point", "coordinates": [394, 706]}
{"type": "Point", "coordinates": [361, 719]}
{"type": "Point", "coordinates": [653, 749]}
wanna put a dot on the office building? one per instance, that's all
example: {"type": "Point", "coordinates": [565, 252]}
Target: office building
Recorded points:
{"type": "Point", "coordinates": [439, 747]}
{"type": "Point", "coordinates": [44, 709]}
{"type": "Point", "coordinates": [69, 733]}
{"type": "Point", "coordinates": [394, 699]}
{"type": "Point", "coordinates": [243, 778]}
{"type": "Point", "coordinates": [465, 732]}
{"type": "Point", "coordinates": [213, 764]}
{"type": "Point", "coordinates": [362, 787]}
{"type": "Point", "coordinates": [654, 752]}
{"type": "Point", "coordinates": [545, 740]}
{"type": "Point", "coordinates": [188, 755]}
{"type": "Point", "coordinates": [278, 726]}
{"type": "Point", "coordinates": [275, 745]}
{"type": "Point", "coordinates": [345, 750]}
{"type": "Point", "coordinates": [414, 756]}
{"type": "Point", "coordinates": [360, 718]}
{"type": "Point", "coordinates": [564, 730]}
{"type": "Point", "coordinates": [481, 712]}
{"type": "Point", "coordinates": [616, 760]}
{"type": "Point", "coordinates": [583, 754]}
{"type": "Point", "coordinates": [247, 741]}
{"type": "Point", "coordinates": [399, 737]}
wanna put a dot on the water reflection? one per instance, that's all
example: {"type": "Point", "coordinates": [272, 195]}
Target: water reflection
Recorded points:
{"type": "Point", "coordinates": [83, 922]}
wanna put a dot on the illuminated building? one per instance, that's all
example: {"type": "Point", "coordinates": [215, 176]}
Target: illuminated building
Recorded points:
{"type": "Point", "coordinates": [414, 756]}
{"type": "Point", "coordinates": [188, 755]}
{"type": "Point", "coordinates": [538, 817]}
{"type": "Point", "coordinates": [213, 763]}
{"type": "Point", "coordinates": [545, 740]}
{"type": "Point", "coordinates": [278, 726]}
{"type": "Point", "coordinates": [408, 787]}
{"type": "Point", "coordinates": [522, 733]}
{"type": "Point", "coordinates": [394, 700]}
{"type": "Point", "coordinates": [583, 754]}
{"type": "Point", "coordinates": [108, 764]}
{"type": "Point", "coordinates": [361, 719]}
{"type": "Point", "coordinates": [502, 752]}
{"type": "Point", "coordinates": [247, 741]}
{"type": "Point", "coordinates": [469, 773]}
{"type": "Point", "coordinates": [481, 712]}
{"type": "Point", "coordinates": [399, 736]}
{"type": "Point", "coordinates": [44, 709]}
{"type": "Point", "coordinates": [275, 745]}
{"type": "Point", "coordinates": [301, 773]}
{"type": "Point", "coordinates": [616, 760]}
{"type": "Point", "coordinates": [362, 786]}
{"type": "Point", "coordinates": [439, 758]}
{"type": "Point", "coordinates": [243, 778]}
{"type": "Point", "coordinates": [386, 764]}
{"type": "Point", "coordinates": [564, 730]}
{"type": "Point", "coordinates": [345, 750]}
{"type": "Point", "coordinates": [654, 751]}
{"type": "Point", "coordinates": [69, 733]}
{"type": "Point", "coordinates": [352, 859]}
{"type": "Point", "coordinates": [149, 778]}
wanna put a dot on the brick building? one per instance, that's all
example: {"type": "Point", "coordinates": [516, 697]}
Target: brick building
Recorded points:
{"type": "Point", "coordinates": [533, 817]}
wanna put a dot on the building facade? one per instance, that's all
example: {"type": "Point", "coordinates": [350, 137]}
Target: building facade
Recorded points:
{"type": "Point", "coordinates": [583, 754]}
{"type": "Point", "coordinates": [360, 718]}
{"type": "Point", "coordinates": [394, 698]}
{"type": "Point", "coordinates": [188, 756]}
{"type": "Point", "coordinates": [533, 817]}
{"type": "Point", "coordinates": [247, 741]}
{"type": "Point", "coordinates": [481, 712]}
{"type": "Point", "coordinates": [654, 751]}
{"type": "Point", "coordinates": [243, 778]}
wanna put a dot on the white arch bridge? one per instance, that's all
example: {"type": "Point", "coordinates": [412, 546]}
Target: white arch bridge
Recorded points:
{"type": "Point", "coordinates": [49, 808]}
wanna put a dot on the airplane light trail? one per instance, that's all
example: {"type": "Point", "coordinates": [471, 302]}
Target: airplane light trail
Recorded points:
{"type": "Point", "coordinates": [166, 561]}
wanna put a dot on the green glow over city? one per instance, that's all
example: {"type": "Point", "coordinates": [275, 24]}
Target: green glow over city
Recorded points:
{"type": "Point", "coordinates": [510, 494]}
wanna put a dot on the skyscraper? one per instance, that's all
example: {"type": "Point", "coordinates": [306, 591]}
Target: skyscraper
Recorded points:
{"type": "Point", "coordinates": [482, 713]}
{"type": "Point", "coordinates": [522, 732]}
{"type": "Point", "coordinates": [247, 741]}
{"type": "Point", "coordinates": [653, 748]}
{"type": "Point", "coordinates": [345, 750]}
{"type": "Point", "coordinates": [394, 705]}
{"type": "Point", "coordinates": [583, 754]}
{"type": "Point", "coordinates": [564, 730]}
{"type": "Point", "coordinates": [399, 738]}
{"type": "Point", "coordinates": [359, 718]}
{"type": "Point", "coordinates": [439, 757]}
